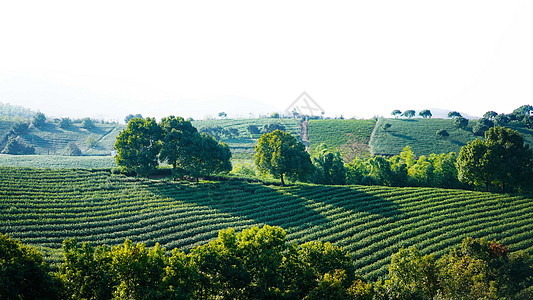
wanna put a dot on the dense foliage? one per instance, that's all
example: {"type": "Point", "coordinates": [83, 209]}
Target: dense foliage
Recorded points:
{"type": "Point", "coordinates": [258, 263]}
{"type": "Point", "coordinates": [144, 143]}
{"type": "Point", "coordinates": [280, 154]}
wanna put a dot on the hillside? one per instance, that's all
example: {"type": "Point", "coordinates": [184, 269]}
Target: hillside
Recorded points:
{"type": "Point", "coordinates": [44, 207]}
{"type": "Point", "coordinates": [335, 132]}
{"type": "Point", "coordinates": [243, 146]}
{"type": "Point", "coordinates": [420, 134]}
{"type": "Point", "coordinates": [51, 139]}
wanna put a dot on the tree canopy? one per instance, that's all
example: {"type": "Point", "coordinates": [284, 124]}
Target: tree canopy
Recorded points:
{"type": "Point", "coordinates": [409, 113]}
{"type": "Point", "coordinates": [426, 114]}
{"type": "Point", "coordinates": [501, 159]}
{"type": "Point", "coordinates": [280, 154]}
{"type": "Point", "coordinates": [138, 146]}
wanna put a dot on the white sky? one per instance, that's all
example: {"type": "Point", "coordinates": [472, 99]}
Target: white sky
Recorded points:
{"type": "Point", "coordinates": [356, 58]}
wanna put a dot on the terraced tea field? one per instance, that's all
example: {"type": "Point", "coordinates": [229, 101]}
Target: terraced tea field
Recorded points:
{"type": "Point", "coordinates": [57, 161]}
{"type": "Point", "coordinates": [335, 132]}
{"type": "Point", "coordinates": [44, 207]}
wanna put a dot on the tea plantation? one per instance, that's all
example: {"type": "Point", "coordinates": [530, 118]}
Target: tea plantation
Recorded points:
{"type": "Point", "coordinates": [42, 207]}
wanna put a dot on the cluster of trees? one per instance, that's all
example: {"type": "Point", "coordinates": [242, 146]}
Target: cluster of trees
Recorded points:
{"type": "Point", "coordinates": [426, 113]}
{"type": "Point", "coordinates": [520, 117]}
{"type": "Point", "coordinates": [258, 263]}
{"type": "Point", "coordinates": [267, 128]}
{"type": "Point", "coordinates": [501, 160]}
{"type": "Point", "coordinates": [218, 132]}
{"type": "Point", "coordinates": [175, 141]}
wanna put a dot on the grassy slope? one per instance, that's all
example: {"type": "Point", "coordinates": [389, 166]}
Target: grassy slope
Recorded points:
{"type": "Point", "coordinates": [243, 147]}
{"type": "Point", "coordinates": [44, 207]}
{"type": "Point", "coordinates": [335, 133]}
{"type": "Point", "coordinates": [420, 134]}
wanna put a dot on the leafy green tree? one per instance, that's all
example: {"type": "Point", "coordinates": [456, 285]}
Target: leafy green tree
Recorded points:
{"type": "Point", "coordinates": [207, 157]}
{"type": "Point", "coordinates": [513, 158]}
{"type": "Point", "coordinates": [87, 123]}
{"type": "Point", "coordinates": [357, 171]}
{"type": "Point", "coordinates": [65, 123]}
{"type": "Point", "coordinates": [280, 154]}
{"type": "Point", "coordinates": [409, 113]}
{"type": "Point", "coordinates": [524, 110]}
{"type": "Point", "coordinates": [426, 114]}
{"type": "Point", "coordinates": [91, 142]}
{"type": "Point", "coordinates": [329, 168]}
{"type": "Point", "coordinates": [422, 172]}
{"type": "Point", "coordinates": [17, 147]}
{"type": "Point", "coordinates": [460, 122]}
{"type": "Point", "coordinates": [38, 120]}
{"type": "Point", "coordinates": [475, 164]}
{"type": "Point", "coordinates": [131, 116]}
{"type": "Point", "coordinates": [445, 170]}
{"type": "Point", "coordinates": [222, 115]}
{"type": "Point", "coordinates": [253, 129]}
{"type": "Point", "coordinates": [386, 126]}
{"type": "Point", "coordinates": [178, 142]}
{"type": "Point", "coordinates": [454, 114]}
{"type": "Point", "coordinates": [72, 150]}
{"type": "Point", "coordinates": [415, 272]}
{"type": "Point", "coordinates": [19, 128]}
{"type": "Point", "coordinates": [274, 115]}
{"type": "Point", "coordinates": [490, 115]}
{"type": "Point", "coordinates": [23, 272]}
{"type": "Point", "coordinates": [396, 113]}
{"type": "Point", "coordinates": [86, 272]}
{"type": "Point", "coordinates": [443, 133]}
{"type": "Point", "coordinates": [138, 146]}
{"type": "Point", "coordinates": [482, 126]}
{"type": "Point", "coordinates": [502, 120]}
{"type": "Point", "coordinates": [268, 128]}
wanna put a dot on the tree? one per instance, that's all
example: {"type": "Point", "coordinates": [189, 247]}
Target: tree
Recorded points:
{"type": "Point", "coordinates": [482, 126]}
{"type": "Point", "coordinates": [329, 168]}
{"type": "Point", "coordinates": [222, 115]}
{"type": "Point", "coordinates": [443, 133]}
{"type": "Point", "coordinates": [514, 159]}
{"type": "Point", "coordinates": [460, 122]}
{"type": "Point", "coordinates": [19, 128]}
{"type": "Point", "coordinates": [23, 272]}
{"type": "Point", "coordinates": [409, 113]}
{"type": "Point", "coordinates": [65, 123]}
{"type": "Point", "coordinates": [72, 150]}
{"type": "Point", "coordinates": [268, 128]}
{"type": "Point", "coordinates": [138, 146]}
{"type": "Point", "coordinates": [91, 142]}
{"type": "Point", "coordinates": [274, 115]}
{"type": "Point", "coordinates": [490, 115]}
{"type": "Point", "coordinates": [280, 154]}
{"type": "Point", "coordinates": [454, 114]}
{"type": "Point", "coordinates": [16, 147]}
{"type": "Point", "coordinates": [396, 113]}
{"type": "Point", "coordinates": [38, 120]}
{"type": "Point", "coordinates": [131, 116]}
{"type": "Point", "coordinates": [178, 141]}
{"type": "Point", "coordinates": [524, 110]}
{"type": "Point", "coordinates": [502, 120]}
{"type": "Point", "coordinates": [253, 129]}
{"type": "Point", "coordinates": [475, 164]}
{"type": "Point", "coordinates": [208, 156]}
{"type": "Point", "coordinates": [87, 123]}
{"type": "Point", "coordinates": [386, 126]}
{"type": "Point", "coordinates": [426, 114]}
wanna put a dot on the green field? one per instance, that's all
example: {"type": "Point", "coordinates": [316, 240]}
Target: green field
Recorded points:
{"type": "Point", "coordinates": [335, 133]}
{"type": "Point", "coordinates": [243, 146]}
{"type": "Point", "coordinates": [420, 134]}
{"type": "Point", "coordinates": [44, 207]}
{"type": "Point", "coordinates": [58, 161]}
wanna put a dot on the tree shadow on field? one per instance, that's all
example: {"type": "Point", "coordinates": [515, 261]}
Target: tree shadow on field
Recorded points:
{"type": "Point", "coordinates": [292, 207]}
{"type": "Point", "coordinates": [402, 136]}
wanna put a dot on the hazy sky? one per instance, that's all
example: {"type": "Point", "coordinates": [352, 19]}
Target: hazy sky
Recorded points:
{"type": "Point", "coordinates": [356, 58]}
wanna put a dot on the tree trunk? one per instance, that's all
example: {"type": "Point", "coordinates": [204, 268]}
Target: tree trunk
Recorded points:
{"type": "Point", "coordinates": [282, 182]}
{"type": "Point", "coordinates": [503, 187]}
{"type": "Point", "coordinates": [486, 186]}
{"type": "Point", "coordinates": [197, 179]}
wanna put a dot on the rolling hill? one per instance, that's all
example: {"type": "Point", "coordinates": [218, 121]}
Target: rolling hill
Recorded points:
{"type": "Point", "coordinates": [43, 207]}
{"type": "Point", "coordinates": [335, 132]}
